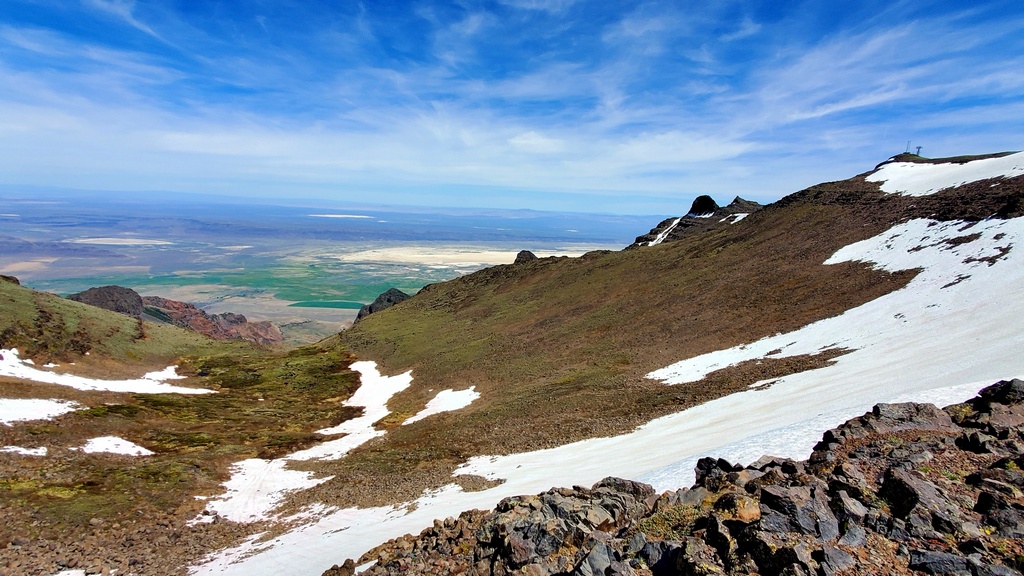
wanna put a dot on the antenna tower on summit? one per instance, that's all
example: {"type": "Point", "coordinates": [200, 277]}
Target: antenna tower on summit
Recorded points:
{"type": "Point", "coordinates": [918, 150]}
{"type": "Point", "coordinates": [908, 147]}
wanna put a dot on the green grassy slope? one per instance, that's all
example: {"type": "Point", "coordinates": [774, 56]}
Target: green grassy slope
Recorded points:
{"type": "Point", "coordinates": [267, 402]}
{"type": "Point", "coordinates": [48, 328]}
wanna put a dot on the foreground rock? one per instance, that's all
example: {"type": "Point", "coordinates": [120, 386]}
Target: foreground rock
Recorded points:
{"type": "Point", "coordinates": [227, 326]}
{"type": "Point", "coordinates": [386, 300]}
{"type": "Point", "coordinates": [904, 489]}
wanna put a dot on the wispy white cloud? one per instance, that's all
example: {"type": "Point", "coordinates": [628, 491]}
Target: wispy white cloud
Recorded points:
{"type": "Point", "coordinates": [124, 10]}
{"type": "Point", "coordinates": [543, 5]}
{"type": "Point", "coordinates": [659, 103]}
{"type": "Point", "coordinates": [746, 29]}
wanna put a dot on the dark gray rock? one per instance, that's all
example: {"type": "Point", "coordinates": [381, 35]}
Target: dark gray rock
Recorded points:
{"type": "Point", "coordinates": [853, 537]}
{"type": "Point", "coordinates": [1004, 392]}
{"type": "Point", "coordinates": [980, 568]}
{"type": "Point", "coordinates": [660, 556]}
{"type": "Point", "coordinates": [115, 298]}
{"type": "Point", "coordinates": [938, 563]}
{"type": "Point", "coordinates": [597, 561]}
{"type": "Point", "coordinates": [386, 300]}
{"type": "Point", "coordinates": [832, 559]}
{"type": "Point", "coordinates": [703, 205]}
{"type": "Point", "coordinates": [524, 256]}
{"type": "Point", "coordinates": [913, 498]}
{"type": "Point", "coordinates": [799, 509]}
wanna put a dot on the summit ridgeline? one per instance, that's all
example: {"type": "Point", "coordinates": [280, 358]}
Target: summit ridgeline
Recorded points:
{"type": "Point", "coordinates": [704, 214]}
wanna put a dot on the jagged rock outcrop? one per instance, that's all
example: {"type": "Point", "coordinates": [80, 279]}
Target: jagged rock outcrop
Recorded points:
{"type": "Point", "coordinates": [524, 256]}
{"type": "Point", "coordinates": [114, 298]}
{"type": "Point", "coordinates": [904, 489]}
{"type": "Point", "coordinates": [227, 326]}
{"type": "Point", "coordinates": [386, 300]}
{"type": "Point", "coordinates": [704, 214]}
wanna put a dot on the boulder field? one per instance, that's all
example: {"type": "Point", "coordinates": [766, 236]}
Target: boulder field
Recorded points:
{"type": "Point", "coordinates": [904, 489]}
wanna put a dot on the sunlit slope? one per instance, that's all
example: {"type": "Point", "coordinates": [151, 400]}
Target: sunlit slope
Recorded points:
{"type": "Point", "coordinates": [558, 347]}
{"type": "Point", "coordinates": [49, 328]}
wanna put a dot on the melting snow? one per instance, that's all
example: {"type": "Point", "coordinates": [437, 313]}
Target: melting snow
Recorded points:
{"type": "Point", "coordinates": [40, 451]}
{"type": "Point", "coordinates": [664, 233]}
{"type": "Point", "coordinates": [953, 330]}
{"type": "Point", "coordinates": [913, 179]}
{"type": "Point", "coordinates": [114, 445]}
{"type": "Point", "coordinates": [22, 409]}
{"type": "Point", "coordinates": [446, 401]}
{"type": "Point", "coordinates": [257, 486]}
{"type": "Point", "coordinates": [11, 365]}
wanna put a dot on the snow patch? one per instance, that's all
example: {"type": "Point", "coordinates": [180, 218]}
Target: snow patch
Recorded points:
{"type": "Point", "coordinates": [11, 365]}
{"type": "Point", "coordinates": [258, 486]}
{"type": "Point", "coordinates": [24, 409]}
{"type": "Point", "coordinates": [887, 329]}
{"type": "Point", "coordinates": [114, 445]}
{"type": "Point", "coordinates": [169, 373]}
{"type": "Point", "coordinates": [40, 451]}
{"type": "Point", "coordinates": [446, 401]}
{"type": "Point", "coordinates": [913, 179]}
{"type": "Point", "coordinates": [664, 233]}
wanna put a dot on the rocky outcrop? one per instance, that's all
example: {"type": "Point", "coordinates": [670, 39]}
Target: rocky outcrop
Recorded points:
{"type": "Point", "coordinates": [524, 256]}
{"type": "Point", "coordinates": [226, 326]}
{"type": "Point", "coordinates": [704, 214]}
{"type": "Point", "coordinates": [114, 298]}
{"type": "Point", "coordinates": [10, 279]}
{"type": "Point", "coordinates": [386, 300]}
{"type": "Point", "coordinates": [904, 489]}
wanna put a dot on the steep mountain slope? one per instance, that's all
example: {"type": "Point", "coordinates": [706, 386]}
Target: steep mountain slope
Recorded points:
{"type": "Point", "coordinates": [554, 344]}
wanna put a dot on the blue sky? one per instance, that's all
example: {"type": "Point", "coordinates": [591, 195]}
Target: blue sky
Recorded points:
{"type": "Point", "coordinates": [550, 104]}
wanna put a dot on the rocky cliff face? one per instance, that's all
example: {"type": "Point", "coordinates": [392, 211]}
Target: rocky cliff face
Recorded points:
{"type": "Point", "coordinates": [905, 489]}
{"type": "Point", "coordinates": [704, 213]}
{"type": "Point", "coordinates": [225, 326]}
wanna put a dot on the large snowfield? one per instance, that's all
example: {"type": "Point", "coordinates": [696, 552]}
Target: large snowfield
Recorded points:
{"type": "Point", "coordinates": [953, 330]}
